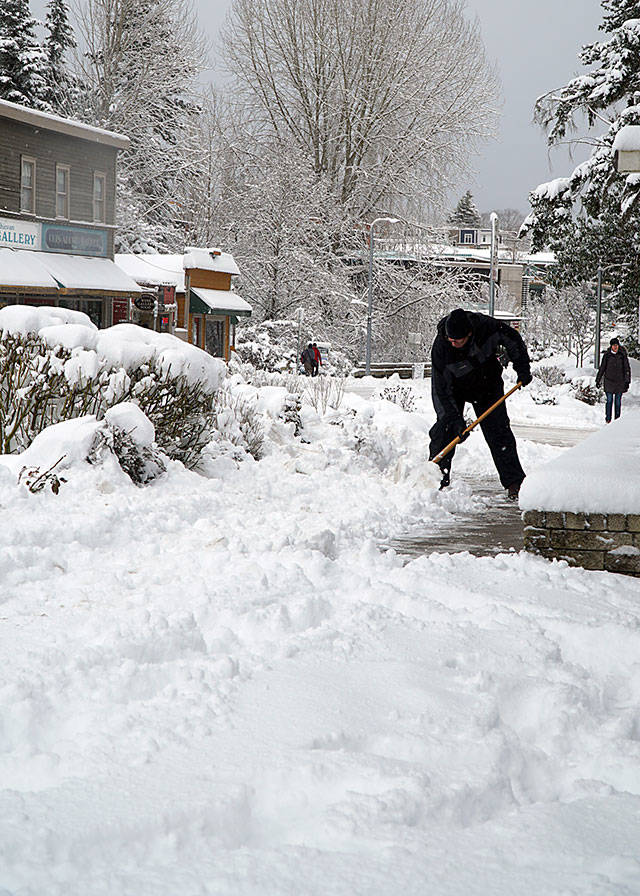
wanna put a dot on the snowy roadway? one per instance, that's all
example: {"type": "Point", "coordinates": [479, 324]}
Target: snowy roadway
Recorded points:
{"type": "Point", "coordinates": [225, 688]}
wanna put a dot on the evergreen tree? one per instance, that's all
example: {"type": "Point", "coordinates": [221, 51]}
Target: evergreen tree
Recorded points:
{"type": "Point", "coordinates": [466, 213]}
{"type": "Point", "coordinates": [23, 68]}
{"type": "Point", "coordinates": [593, 216]}
{"type": "Point", "coordinates": [58, 41]}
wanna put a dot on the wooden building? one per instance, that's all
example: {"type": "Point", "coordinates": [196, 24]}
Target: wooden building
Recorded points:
{"type": "Point", "coordinates": [207, 308]}
{"type": "Point", "coordinates": [57, 215]}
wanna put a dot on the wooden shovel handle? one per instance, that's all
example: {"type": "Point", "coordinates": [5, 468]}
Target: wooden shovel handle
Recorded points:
{"type": "Point", "coordinates": [486, 413]}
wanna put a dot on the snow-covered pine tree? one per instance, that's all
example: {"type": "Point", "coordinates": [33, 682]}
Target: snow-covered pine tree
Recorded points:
{"type": "Point", "coordinates": [465, 213]}
{"type": "Point", "coordinates": [593, 216]}
{"type": "Point", "coordinates": [23, 67]}
{"type": "Point", "coordinates": [59, 40]}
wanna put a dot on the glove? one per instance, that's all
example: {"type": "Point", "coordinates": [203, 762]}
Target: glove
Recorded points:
{"type": "Point", "coordinates": [525, 378]}
{"type": "Point", "coordinates": [459, 429]}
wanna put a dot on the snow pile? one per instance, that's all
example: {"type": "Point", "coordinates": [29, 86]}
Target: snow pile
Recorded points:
{"type": "Point", "coordinates": [600, 475]}
{"type": "Point", "coordinates": [225, 686]}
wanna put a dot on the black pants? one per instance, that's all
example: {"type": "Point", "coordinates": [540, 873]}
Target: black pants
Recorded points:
{"type": "Point", "coordinates": [496, 430]}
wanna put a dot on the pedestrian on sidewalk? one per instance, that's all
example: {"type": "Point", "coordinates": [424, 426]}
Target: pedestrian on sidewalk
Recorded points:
{"type": "Point", "coordinates": [615, 374]}
{"type": "Point", "coordinates": [307, 357]}
{"type": "Point", "coordinates": [317, 359]}
{"type": "Point", "coordinates": [465, 368]}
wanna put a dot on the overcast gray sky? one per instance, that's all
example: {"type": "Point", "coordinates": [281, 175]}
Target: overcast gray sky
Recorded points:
{"type": "Point", "coordinates": [535, 45]}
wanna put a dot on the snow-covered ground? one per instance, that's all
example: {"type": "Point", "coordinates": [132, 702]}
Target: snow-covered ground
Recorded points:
{"type": "Point", "coordinates": [223, 686]}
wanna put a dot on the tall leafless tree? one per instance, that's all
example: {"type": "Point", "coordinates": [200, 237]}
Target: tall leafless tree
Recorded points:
{"type": "Point", "coordinates": [386, 99]}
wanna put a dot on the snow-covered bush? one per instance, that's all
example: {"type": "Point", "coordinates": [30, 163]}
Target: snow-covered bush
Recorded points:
{"type": "Point", "coordinates": [551, 375]}
{"type": "Point", "coordinates": [585, 389]}
{"type": "Point", "coordinates": [142, 463]}
{"type": "Point", "coordinates": [323, 392]}
{"type": "Point", "coordinates": [237, 423]}
{"type": "Point", "coordinates": [292, 408]}
{"type": "Point", "coordinates": [55, 366]}
{"type": "Point", "coordinates": [400, 395]}
{"type": "Point", "coordinates": [270, 346]}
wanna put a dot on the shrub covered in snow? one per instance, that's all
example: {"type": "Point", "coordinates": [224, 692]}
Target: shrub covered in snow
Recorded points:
{"type": "Point", "coordinates": [585, 389]}
{"type": "Point", "coordinates": [273, 346]}
{"type": "Point", "coordinates": [55, 366]}
{"type": "Point", "coordinates": [400, 395]}
{"type": "Point", "coordinates": [550, 374]}
{"type": "Point", "coordinates": [323, 392]}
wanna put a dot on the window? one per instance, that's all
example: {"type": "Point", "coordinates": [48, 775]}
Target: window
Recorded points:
{"type": "Point", "coordinates": [62, 191]}
{"type": "Point", "coordinates": [99, 191]}
{"type": "Point", "coordinates": [28, 185]}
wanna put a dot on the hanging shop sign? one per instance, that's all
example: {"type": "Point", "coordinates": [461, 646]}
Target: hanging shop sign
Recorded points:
{"type": "Point", "coordinates": [144, 303]}
{"type": "Point", "coordinates": [19, 234]}
{"type": "Point", "coordinates": [74, 240]}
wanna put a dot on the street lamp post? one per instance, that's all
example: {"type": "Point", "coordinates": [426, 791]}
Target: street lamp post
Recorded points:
{"type": "Point", "coordinates": [596, 345]}
{"type": "Point", "coordinates": [367, 360]}
{"type": "Point", "coordinates": [493, 264]}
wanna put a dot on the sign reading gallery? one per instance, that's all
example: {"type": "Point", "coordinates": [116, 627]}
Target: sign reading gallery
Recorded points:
{"type": "Point", "coordinates": [19, 234]}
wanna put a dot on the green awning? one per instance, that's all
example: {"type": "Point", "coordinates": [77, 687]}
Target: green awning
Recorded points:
{"type": "Point", "coordinates": [217, 301]}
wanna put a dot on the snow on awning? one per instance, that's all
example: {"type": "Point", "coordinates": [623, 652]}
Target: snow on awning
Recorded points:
{"type": "Point", "coordinates": [78, 273]}
{"type": "Point", "coordinates": [152, 269]}
{"type": "Point", "coordinates": [209, 260]}
{"type": "Point", "coordinates": [218, 301]}
{"type": "Point", "coordinates": [21, 270]}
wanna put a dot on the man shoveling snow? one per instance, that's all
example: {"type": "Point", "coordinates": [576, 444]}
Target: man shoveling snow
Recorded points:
{"type": "Point", "coordinates": [465, 367]}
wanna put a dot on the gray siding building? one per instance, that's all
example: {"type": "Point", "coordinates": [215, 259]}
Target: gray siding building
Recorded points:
{"type": "Point", "coordinates": [57, 215]}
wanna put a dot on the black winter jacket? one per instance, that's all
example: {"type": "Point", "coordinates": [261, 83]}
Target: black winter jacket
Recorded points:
{"type": "Point", "coordinates": [473, 372]}
{"type": "Point", "coordinates": [614, 370]}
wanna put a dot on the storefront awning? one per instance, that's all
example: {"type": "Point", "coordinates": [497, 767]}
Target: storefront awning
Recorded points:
{"type": "Point", "coordinates": [21, 270]}
{"type": "Point", "coordinates": [218, 301]}
{"type": "Point", "coordinates": [80, 274]}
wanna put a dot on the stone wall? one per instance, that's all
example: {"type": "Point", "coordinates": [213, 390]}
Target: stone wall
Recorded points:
{"type": "Point", "coordinates": [592, 540]}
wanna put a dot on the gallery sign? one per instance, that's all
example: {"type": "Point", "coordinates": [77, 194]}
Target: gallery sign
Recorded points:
{"type": "Point", "coordinates": [74, 240]}
{"type": "Point", "coordinates": [19, 234]}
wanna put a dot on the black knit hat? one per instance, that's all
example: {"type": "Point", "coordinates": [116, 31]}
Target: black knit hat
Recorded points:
{"type": "Point", "coordinates": [457, 324]}
{"type": "Point", "coordinates": [614, 341]}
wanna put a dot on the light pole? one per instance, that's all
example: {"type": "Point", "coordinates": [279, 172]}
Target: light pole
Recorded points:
{"type": "Point", "coordinates": [367, 360]}
{"type": "Point", "coordinates": [596, 342]}
{"type": "Point", "coordinates": [493, 264]}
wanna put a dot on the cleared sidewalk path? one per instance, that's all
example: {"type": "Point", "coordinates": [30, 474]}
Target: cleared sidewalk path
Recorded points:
{"type": "Point", "coordinates": [497, 526]}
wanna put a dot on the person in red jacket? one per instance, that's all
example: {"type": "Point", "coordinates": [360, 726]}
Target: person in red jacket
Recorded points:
{"type": "Point", "coordinates": [317, 359]}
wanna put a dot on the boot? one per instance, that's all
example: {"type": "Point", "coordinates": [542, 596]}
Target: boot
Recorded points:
{"type": "Point", "coordinates": [513, 492]}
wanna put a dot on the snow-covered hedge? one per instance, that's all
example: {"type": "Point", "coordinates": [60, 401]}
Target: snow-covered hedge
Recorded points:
{"type": "Point", "coordinates": [55, 365]}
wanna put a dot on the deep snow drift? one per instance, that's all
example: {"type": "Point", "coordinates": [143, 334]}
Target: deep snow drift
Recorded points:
{"type": "Point", "coordinates": [223, 686]}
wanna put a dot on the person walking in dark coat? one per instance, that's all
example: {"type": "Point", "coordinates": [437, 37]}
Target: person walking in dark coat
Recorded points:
{"type": "Point", "coordinates": [465, 367]}
{"type": "Point", "coordinates": [307, 357]}
{"type": "Point", "coordinates": [615, 374]}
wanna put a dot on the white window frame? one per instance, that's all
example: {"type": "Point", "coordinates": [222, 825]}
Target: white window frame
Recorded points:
{"type": "Point", "coordinates": [67, 194]}
{"type": "Point", "coordinates": [97, 218]}
{"type": "Point", "coordinates": [31, 161]}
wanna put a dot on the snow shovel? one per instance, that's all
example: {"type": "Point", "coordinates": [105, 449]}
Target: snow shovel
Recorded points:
{"type": "Point", "coordinates": [435, 460]}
